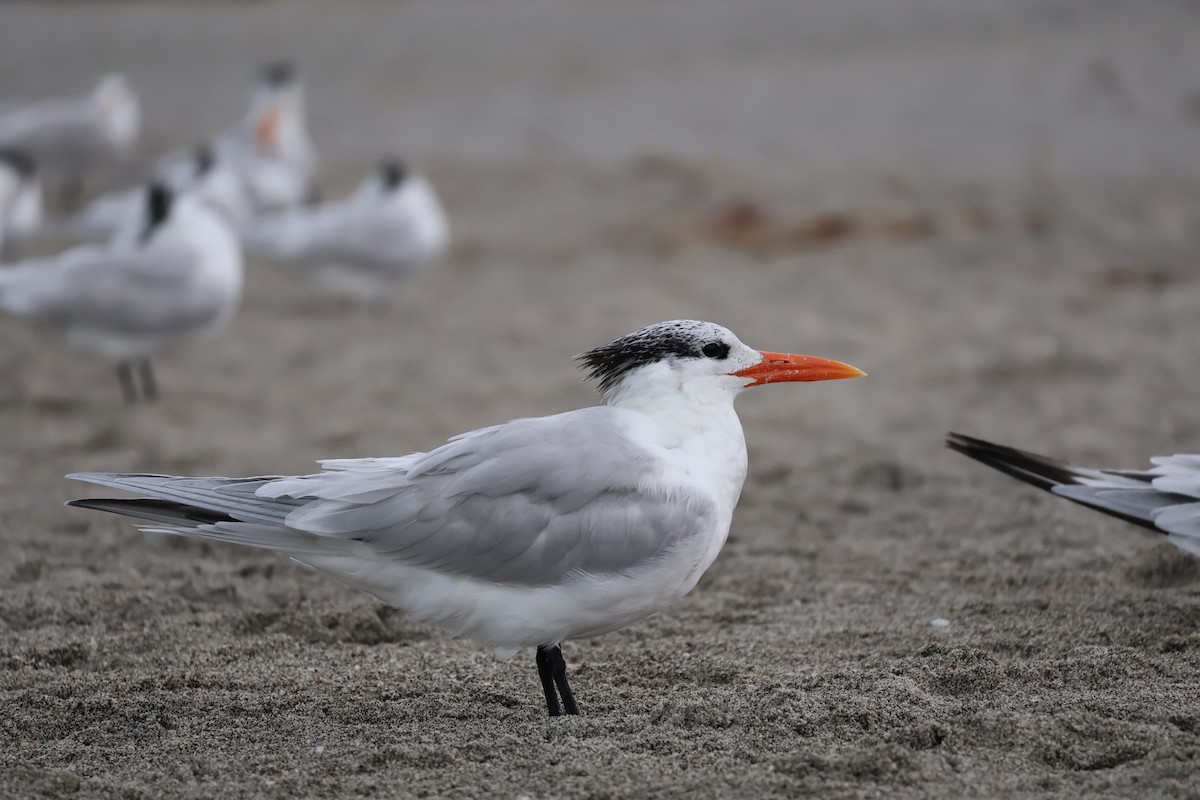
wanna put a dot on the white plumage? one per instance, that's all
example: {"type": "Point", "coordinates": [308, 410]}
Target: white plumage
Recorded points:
{"type": "Point", "coordinates": [175, 277]}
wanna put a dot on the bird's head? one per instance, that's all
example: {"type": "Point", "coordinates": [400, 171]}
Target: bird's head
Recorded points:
{"type": "Point", "coordinates": [698, 359]}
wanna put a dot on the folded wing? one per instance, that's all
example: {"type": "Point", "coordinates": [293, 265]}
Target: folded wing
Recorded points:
{"type": "Point", "coordinates": [528, 503]}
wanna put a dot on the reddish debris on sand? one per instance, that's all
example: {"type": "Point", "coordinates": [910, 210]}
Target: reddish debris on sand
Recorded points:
{"type": "Point", "coordinates": [910, 227]}
{"type": "Point", "coordinates": [1123, 276]}
{"type": "Point", "coordinates": [740, 222]}
{"type": "Point", "coordinates": [823, 230]}
{"type": "Point", "coordinates": [978, 218]}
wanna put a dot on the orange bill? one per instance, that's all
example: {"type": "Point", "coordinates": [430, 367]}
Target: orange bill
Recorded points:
{"type": "Point", "coordinates": [779, 367]}
{"type": "Point", "coordinates": [266, 132]}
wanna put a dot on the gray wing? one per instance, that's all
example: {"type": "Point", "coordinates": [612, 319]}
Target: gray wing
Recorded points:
{"type": "Point", "coordinates": [530, 502]}
{"type": "Point", "coordinates": [134, 292]}
{"type": "Point", "coordinates": [1164, 499]}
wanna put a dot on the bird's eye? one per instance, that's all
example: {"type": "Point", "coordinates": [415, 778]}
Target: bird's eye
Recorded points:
{"type": "Point", "coordinates": [716, 350]}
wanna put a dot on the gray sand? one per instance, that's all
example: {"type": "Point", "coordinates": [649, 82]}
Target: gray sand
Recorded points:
{"type": "Point", "coordinates": [1051, 148]}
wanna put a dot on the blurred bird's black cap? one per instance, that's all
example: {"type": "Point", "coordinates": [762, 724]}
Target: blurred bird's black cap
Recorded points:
{"type": "Point", "coordinates": [393, 171]}
{"type": "Point", "coordinates": [277, 73]}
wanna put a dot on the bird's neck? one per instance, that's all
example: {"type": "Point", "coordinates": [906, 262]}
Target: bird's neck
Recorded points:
{"type": "Point", "coordinates": [700, 426]}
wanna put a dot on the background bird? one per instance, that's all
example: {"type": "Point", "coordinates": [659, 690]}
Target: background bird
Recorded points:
{"type": "Point", "coordinates": [391, 227]}
{"type": "Point", "coordinates": [525, 534]}
{"type": "Point", "coordinates": [203, 176]}
{"type": "Point", "coordinates": [174, 278]}
{"type": "Point", "coordinates": [71, 136]}
{"type": "Point", "coordinates": [270, 149]}
{"type": "Point", "coordinates": [1164, 499]}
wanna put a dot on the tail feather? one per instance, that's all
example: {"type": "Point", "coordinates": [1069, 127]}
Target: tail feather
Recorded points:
{"type": "Point", "coordinates": [1125, 494]}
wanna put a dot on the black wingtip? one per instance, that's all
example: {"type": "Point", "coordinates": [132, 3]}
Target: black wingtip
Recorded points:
{"type": "Point", "coordinates": [1040, 471]}
{"type": "Point", "coordinates": [155, 510]}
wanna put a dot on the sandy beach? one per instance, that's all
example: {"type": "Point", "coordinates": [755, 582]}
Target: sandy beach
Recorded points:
{"type": "Point", "coordinates": [993, 210]}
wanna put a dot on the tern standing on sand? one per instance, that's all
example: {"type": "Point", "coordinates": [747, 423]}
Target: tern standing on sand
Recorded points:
{"type": "Point", "coordinates": [73, 135]}
{"type": "Point", "coordinates": [204, 177]}
{"type": "Point", "coordinates": [269, 150]}
{"type": "Point", "coordinates": [529, 533]}
{"type": "Point", "coordinates": [175, 276]}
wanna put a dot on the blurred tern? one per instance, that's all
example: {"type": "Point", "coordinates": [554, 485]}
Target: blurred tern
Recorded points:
{"type": "Point", "coordinates": [210, 181]}
{"type": "Point", "coordinates": [391, 227]}
{"type": "Point", "coordinates": [177, 278]}
{"type": "Point", "coordinates": [525, 534]}
{"type": "Point", "coordinates": [72, 135]}
{"type": "Point", "coordinates": [20, 201]}
{"type": "Point", "coordinates": [1164, 498]}
{"type": "Point", "coordinates": [270, 150]}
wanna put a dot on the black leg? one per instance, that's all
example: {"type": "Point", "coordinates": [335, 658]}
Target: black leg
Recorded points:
{"type": "Point", "coordinates": [546, 673]}
{"type": "Point", "coordinates": [149, 384]}
{"type": "Point", "coordinates": [125, 376]}
{"type": "Point", "coordinates": [560, 680]}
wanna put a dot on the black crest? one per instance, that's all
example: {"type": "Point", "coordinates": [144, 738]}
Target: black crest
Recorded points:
{"type": "Point", "coordinates": [204, 159]}
{"type": "Point", "coordinates": [393, 172]}
{"type": "Point", "coordinates": [277, 73]}
{"type": "Point", "coordinates": [21, 162]}
{"type": "Point", "coordinates": [158, 207]}
{"type": "Point", "coordinates": [682, 338]}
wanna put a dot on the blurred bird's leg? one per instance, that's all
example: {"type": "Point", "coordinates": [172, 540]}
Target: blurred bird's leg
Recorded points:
{"type": "Point", "coordinates": [128, 388]}
{"type": "Point", "coordinates": [552, 669]}
{"type": "Point", "coordinates": [70, 193]}
{"type": "Point", "coordinates": [149, 384]}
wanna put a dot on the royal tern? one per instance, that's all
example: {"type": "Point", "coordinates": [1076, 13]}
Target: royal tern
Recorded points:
{"type": "Point", "coordinates": [525, 534]}
{"type": "Point", "coordinates": [389, 228]}
{"type": "Point", "coordinates": [73, 135]}
{"type": "Point", "coordinates": [175, 279]}
{"type": "Point", "coordinates": [20, 200]}
{"type": "Point", "coordinates": [202, 175]}
{"type": "Point", "coordinates": [270, 150]}
{"type": "Point", "coordinates": [1164, 498]}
